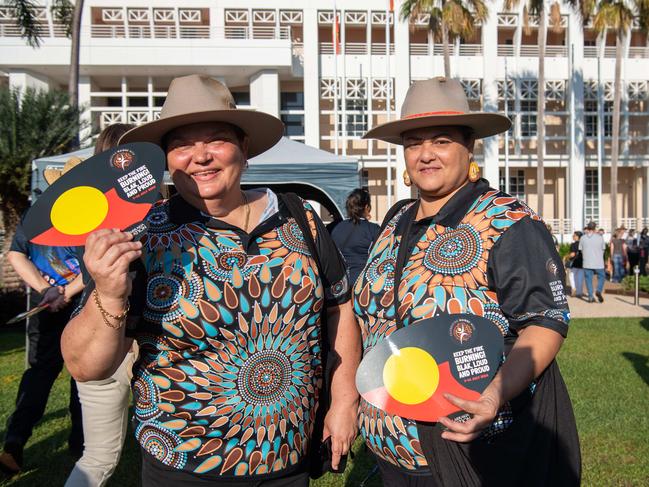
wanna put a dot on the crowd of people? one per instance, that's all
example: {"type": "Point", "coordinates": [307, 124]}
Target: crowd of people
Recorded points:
{"type": "Point", "coordinates": [250, 319]}
{"type": "Point", "coordinates": [590, 256]}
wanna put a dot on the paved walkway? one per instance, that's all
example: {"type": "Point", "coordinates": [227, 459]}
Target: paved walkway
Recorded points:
{"type": "Point", "coordinates": [614, 306]}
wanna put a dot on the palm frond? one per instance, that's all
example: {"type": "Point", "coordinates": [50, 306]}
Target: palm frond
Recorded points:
{"type": "Point", "coordinates": [25, 12]}
{"type": "Point", "coordinates": [555, 17]}
{"type": "Point", "coordinates": [62, 11]}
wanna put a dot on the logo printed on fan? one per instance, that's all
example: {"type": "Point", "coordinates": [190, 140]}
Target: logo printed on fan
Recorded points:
{"type": "Point", "coordinates": [122, 159]}
{"type": "Point", "coordinates": [461, 330]}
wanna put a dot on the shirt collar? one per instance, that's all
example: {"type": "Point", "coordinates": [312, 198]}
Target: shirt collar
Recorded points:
{"type": "Point", "coordinates": [456, 208]}
{"type": "Point", "coordinates": [181, 212]}
{"type": "Point", "coordinates": [452, 213]}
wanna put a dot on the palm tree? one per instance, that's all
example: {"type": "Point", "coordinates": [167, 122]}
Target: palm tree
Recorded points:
{"type": "Point", "coordinates": [448, 20]}
{"type": "Point", "coordinates": [539, 8]}
{"type": "Point", "coordinates": [32, 124]}
{"type": "Point", "coordinates": [616, 16]}
{"type": "Point", "coordinates": [68, 15]}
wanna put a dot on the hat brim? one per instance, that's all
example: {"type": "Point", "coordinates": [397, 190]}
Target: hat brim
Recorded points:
{"type": "Point", "coordinates": [263, 130]}
{"type": "Point", "coordinates": [52, 175]}
{"type": "Point", "coordinates": [483, 124]}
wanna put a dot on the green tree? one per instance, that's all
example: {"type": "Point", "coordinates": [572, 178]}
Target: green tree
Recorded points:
{"type": "Point", "coordinates": [616, 16]}
{"type": "Point", "coordinates": [448, 20]}
{"type": "Point", "coordinates": [539, 9]}
{"type": "Point", "coordinates": [32, 124]}
{"type": "Point", "coordinates": [66, 13]}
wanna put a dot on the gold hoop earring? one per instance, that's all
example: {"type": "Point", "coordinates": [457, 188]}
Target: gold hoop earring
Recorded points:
{"type": "Point", "coordinates": [474, 171]}
{"type": "Point", "coordinates": [406, 179]}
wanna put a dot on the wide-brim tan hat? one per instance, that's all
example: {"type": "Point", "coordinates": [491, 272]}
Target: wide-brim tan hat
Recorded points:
{"type": "Point", "coordinates": [197, 98]}
{"type": "Point", "coordinates": [438, 102]}
{"type": "Point", "coordinates": [52, 175]}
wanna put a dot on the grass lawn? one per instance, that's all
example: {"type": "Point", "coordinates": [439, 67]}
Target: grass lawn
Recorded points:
{"type": "Point", "coordinates": [605, 363]}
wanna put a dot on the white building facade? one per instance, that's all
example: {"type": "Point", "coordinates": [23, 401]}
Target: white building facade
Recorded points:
{"type": "Point", "coordinates": [333, 70]}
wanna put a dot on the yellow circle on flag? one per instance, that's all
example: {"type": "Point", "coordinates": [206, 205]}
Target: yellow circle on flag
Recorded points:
{"type": "Point", "coordinates": [411, 375]}
{"type": "Point", "coordinates": [79, 210]}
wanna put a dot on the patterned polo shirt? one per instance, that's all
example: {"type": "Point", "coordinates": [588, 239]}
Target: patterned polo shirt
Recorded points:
{"type": "Point", "coordinates": [484, 253]}
{"type": "Point", "coordinates": [228, 325]}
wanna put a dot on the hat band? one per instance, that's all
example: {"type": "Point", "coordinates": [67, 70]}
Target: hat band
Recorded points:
{"type": "Point", "coordinates": [428, 114]}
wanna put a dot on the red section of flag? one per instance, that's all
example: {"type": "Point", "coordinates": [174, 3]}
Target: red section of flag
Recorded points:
{"type": "Point", "coordinates": [121, 214]}
{"type": "Point", "coordinates": [336, 34]}
{"type": "Point", "coordinates": [391, 5]}
{"type": "Point", "coordinates": [432, 408]}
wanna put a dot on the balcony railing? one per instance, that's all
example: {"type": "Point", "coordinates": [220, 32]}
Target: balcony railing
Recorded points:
{"type": "Point", "coordinates": [11, 30]}
{"type": "Point", "coordinates": [357, 48]}
{"type": "Point", "coordinates": [418, 49]}
{"type": "Point", "coordinates": [609, 52]}
{"type": "Point", "coordinates": [136, 116]}
{"type": "Point", "coordinates": [189, 32]}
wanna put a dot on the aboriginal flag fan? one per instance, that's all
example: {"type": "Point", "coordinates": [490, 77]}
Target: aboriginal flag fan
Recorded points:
{"type": "Point", "coordinates": [114, 189]}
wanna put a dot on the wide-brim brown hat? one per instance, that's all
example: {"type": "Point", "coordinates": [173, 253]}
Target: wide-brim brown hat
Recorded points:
{"type": "Point", "coordinates": [438, 102]}
{"type": "Point", "coordinates": [197, 98]}
{"type": "Point", "coordinates": [52, 175]}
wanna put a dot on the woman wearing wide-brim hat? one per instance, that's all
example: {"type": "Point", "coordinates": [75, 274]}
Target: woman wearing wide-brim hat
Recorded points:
{"type": "Point", "coordinates": [463, 247]}
{"type": "Point", "coordinates": [228, 305]}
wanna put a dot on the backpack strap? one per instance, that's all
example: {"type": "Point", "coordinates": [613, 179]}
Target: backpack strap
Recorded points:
{"type": "Point", "coordinates": [296, 208]}
{"type": "Point", "coordinates": [393, 211]}
{"type": "Point", "coordinates": [318, 465]}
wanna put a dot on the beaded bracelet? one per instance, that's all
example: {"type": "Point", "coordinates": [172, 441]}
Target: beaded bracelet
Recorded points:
{"type": "Point", "coordinates": [121, 318]}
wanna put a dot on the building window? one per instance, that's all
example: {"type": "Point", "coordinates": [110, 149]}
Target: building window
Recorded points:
{"type": "Point", "coordinates": [355, 118]}
{"type": "Point", "coordinates": [365, 179]}
{"type": "Point", "coordinates": [241, 98]}
{"type": "Point", "coordinates": [591, 207]}
{"type": "Point", "coordinates": [292, 114]}
{"type": "Point", "coordinates": [591, 115]}
{"type": "Point", "coordinates": [516, 183]}
{"type": "Point", "coordinates": [528, 118]}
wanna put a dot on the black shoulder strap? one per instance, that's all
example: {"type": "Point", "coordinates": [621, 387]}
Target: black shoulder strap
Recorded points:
{"type": "Point", "coordinates": [393, 211]}
{"type": "Point", "coordinates": [296, 208]}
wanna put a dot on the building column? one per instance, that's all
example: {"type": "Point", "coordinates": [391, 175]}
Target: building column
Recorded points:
{"type": "Point", "coordinates": [84, 90]}
{"type": "Point", "coordinates": [311, 78]}
{"type": "Point", "coordinates": [645, 193]}
{"type": "Point", "coordinates": [264, 91]}
{"type": "Point", "coordinates": [490, 168]}
{"type": "Point", "coordinates": [401, 85]}
{"type": "Point", "coordinates": [21, 78]}
{"type": "Point", "coordinates": [577, 162]}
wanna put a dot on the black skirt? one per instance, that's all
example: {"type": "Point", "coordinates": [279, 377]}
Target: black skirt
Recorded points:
{"type": "Point", "coordinates": [540, 447]}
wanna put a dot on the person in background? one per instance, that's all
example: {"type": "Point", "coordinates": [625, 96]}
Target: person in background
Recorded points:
{"type": "Point", "coordinates": [104, 403]}
{"type": "Point", "coordinates": [632, 250]}
{"type": "Point", "coordinates": [644, 251]}
{"type": "Point", "coordinates": [554, 238]}
{"type": "Point", "coordinates": [354, 235]}
{"type": "Point", "coordinates": [53, 275]}
{"type": "Point", "coordinates": [618, 256]}
{"type": "Point", "coordinates": [575, 264]}
{"type": "Point", "coordinates": [592, 248]}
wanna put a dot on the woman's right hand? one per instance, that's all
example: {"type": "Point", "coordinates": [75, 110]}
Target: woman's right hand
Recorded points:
{"type": "Point", "coordinates": [108, 256]}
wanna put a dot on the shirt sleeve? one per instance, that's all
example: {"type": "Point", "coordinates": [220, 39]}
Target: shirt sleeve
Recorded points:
{"type": "Point", "coordinates": [335, 279]}
{"type": "Point", "coordinates": [19, 242]}
{"type": "Point", "coordinates": [526, 272]}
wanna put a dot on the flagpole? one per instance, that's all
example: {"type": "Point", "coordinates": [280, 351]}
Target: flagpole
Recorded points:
{"type": "Point", "coordinates": [388, 102]}
{"type": "Point", "coordinates": [506, 90]}
{"type": "Point", "coordinates": [334, 39]}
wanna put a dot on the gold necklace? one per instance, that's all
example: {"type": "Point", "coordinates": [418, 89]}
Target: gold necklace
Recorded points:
{"type": "Point", "coordinates": [247, 206]}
